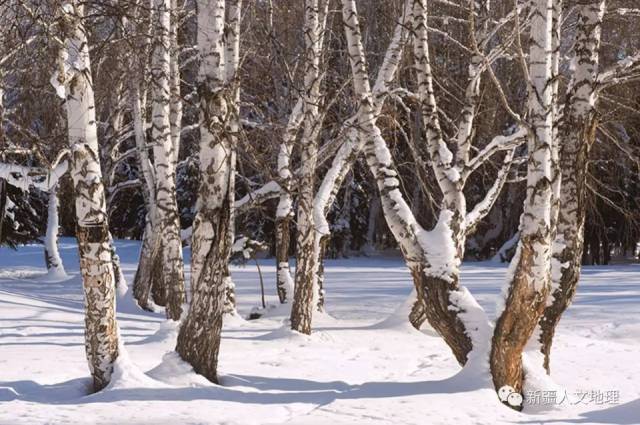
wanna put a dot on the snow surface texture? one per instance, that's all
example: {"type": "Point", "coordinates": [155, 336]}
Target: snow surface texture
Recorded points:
{"type": "Point", "coordinates": [362, 364]}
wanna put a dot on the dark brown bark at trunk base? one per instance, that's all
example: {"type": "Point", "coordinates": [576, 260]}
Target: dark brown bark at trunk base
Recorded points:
{"type": "Point", "coordinates": [434, 293]}
{"type": "Point", "coordinates": [142, 280]}
{"type": "Point", "coordinates": [523, 308]}
{"type": "Point", "coordinates": [282, 256]}
{"type": "Point", "coordinates": [553, 313]}
{"type": "Point", "coordinates": [417, 316]}
{"type": "Point", "coordinates": [101, 337]}
{"type": "Point", "coordinates": [199, 336]}
{"type": "Point", "coordinates": [302, 306]}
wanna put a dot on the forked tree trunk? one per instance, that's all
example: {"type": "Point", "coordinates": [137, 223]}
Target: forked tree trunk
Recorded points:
{"type": "Point", "coordinates": [169, 289]}
{"type": "Point", "coordinates": [351, 146]}
{"type": "Point", "coordinates": [577, 132]}
{"type": "Point", "coordinates": [306, 261]}
{"type": "Point", "coordinates": [530, 282]}
{"type": "Point", "coordinates": [444, 301]}
{"type": "Point", "coordinates": [96, 266]}
{"type": "Point", "coordinates": [199, 336]}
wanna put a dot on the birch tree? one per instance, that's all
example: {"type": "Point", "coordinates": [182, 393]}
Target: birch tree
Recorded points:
{"type": "Point", "coordinates": [284, 210]}
{"type": "Point", "coordinates": [306, 262]}
{"type": "Point", "coordinates": [74, 76]}
{"type": "Point", "coordinates": [351, 144]}
{"type": "Point", "coordinates": [577, 134]}
{"type": "Point", "coordinates": [164, 142]}
{"type": "Point", "coordinates": [529, 282]}
{"type": "Point", "coordinates": [448, 304]}
{"type": "Point", "coordinates": [199, 336]}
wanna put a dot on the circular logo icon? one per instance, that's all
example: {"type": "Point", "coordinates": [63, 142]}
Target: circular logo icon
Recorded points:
{"type": "Point", "coordinates": [507, 394]}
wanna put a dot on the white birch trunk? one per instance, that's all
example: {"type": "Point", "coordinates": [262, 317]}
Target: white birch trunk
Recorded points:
{"type": "Point", "coordinates": [51, 252]}
{"type": "Point", "coordinates": [284, 210]}
{"type": "Point", "coordinates": [576, 133]}
{"type": "Point", "coordinates": [447, 304]}
{"type": "Point", "coordinates": [305, 291]}
{"type": "Point", "coordinates": [145, 274]}
{"type": "Point", "coordinates": [232, 82]}
{"type": "Point", "coordinates": [530, 283]}
{"type": "Point", "coordinates": [175, 115]}
{"type": "Point", "coordinates": [352, 144]}
{"type": "Point", "coordinates": [167, 223]}
{"type": "Point", "coordinates": [101, 335]}
{"type": "Point", "coordinates": [199, 336]}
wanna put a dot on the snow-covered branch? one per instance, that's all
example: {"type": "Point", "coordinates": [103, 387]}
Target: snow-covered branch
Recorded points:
{"type": "Point", "coordinates": [498, 143]}
{"type": "Point", "coordinates": [482, 208]}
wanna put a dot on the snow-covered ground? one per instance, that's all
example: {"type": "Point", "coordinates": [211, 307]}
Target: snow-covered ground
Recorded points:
{"type": "Point", "coordinates": [355, 368]}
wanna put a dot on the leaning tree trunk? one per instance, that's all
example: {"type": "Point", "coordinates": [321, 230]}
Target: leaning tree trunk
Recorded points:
{"type": "Point", "coordinates": [199, 336]}
{"type": "Point", "coordinates": [169, 289]}
{"type": "Point", "coordinates": [51, 254]}
{"type": "Point", "coordinates": [351, 147]}
{"type": "Point", "coordinates": [144, 274]}
{"type": "Point", "coordinates": [530, 281]}
{"type": "Point", "coordinates": [92, 231]}
{"type": "Point", "coordinates": [577, 131]}
{"type": "Point", "coordinates": [306, 263]}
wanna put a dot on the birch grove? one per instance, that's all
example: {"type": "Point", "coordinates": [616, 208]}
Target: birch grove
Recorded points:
{"type": "Point", "coordinates": [218, 136]}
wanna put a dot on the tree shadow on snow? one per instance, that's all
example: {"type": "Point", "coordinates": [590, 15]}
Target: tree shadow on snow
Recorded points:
{"type": "Point", "coordinates": [623, 414]}
{"type": "Point", "coordinates": [252, 390]}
